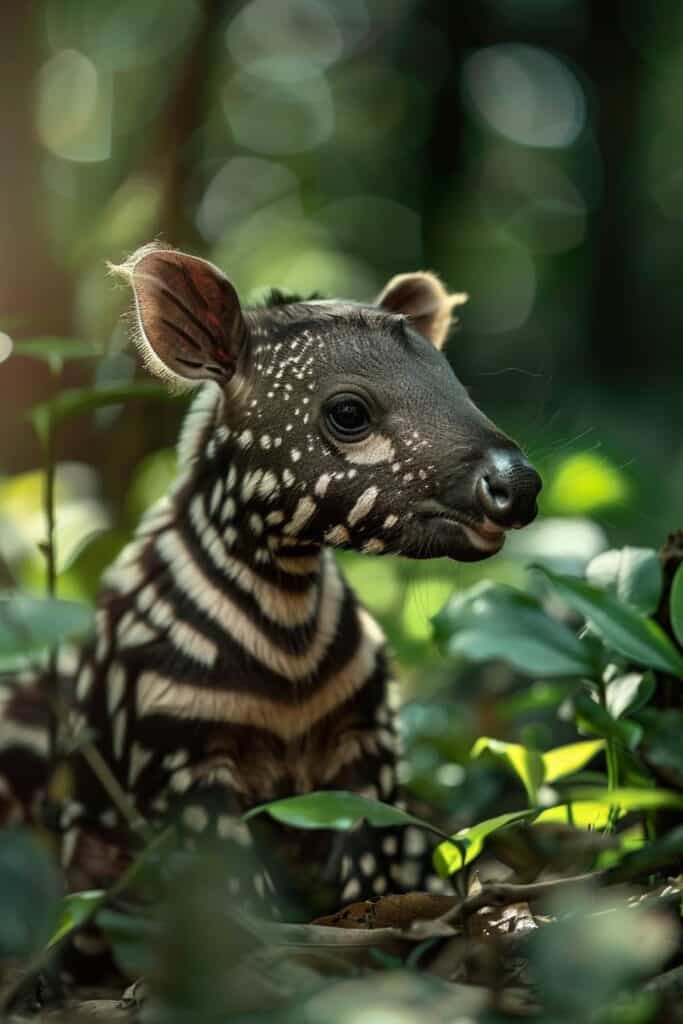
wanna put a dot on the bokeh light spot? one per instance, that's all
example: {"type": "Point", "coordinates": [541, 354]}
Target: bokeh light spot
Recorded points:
{"type": "Point", "coordinates": [5, 346]}
{"type": "Point", "coordinates": [242, 185]}
{"type": "Point", "coordinates": [525, 94]}
{"type": "Point", "coordinates": [282, 118]}
{"type": "Point", "coordinates": [585, 482]}
{"type": "Point", "coordinates": [74, 108]}
{"type": "Point", "coordinates": [284, 42]}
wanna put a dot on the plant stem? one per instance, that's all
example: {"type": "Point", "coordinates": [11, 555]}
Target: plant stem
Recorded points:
{"type": "Point", "coordinates": [612, 758]}
{"type": "Point", "coordinates": [50, 548]}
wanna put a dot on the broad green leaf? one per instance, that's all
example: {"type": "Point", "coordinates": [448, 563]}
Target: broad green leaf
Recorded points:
{"type": "Point", "coordinates": [629, 692]}
{"type": "Point", "coordinates": [30, 890]}
{"type": "Point", "coordinates": [55, 351]}
{"type": "Point", "coordinates": [335, 809]}
{"type": "Point", "coordinates": [628, 798]}
{"type": "Point", "coordinates": [647, 857]}
{"type": "Point", "coordinates": [592, 716]}
{"type": "Point", "coordinates": [677, 604]}
{"type": "Point", "coordinates": [627, 842]}
{"type": "Point", "coordinates": [77, 908]}
{"type": "Point", "coordinates": [28, 625]}
{"type": "Point", "coordinates": [464, 846]}
{"type": "Point", "coordinates": [633, 575]}
{"type": "Point", "coordinates": [662, 746]}
{"type": "Point", "coordinates": [569, 759]}
{"type": "Point", "coordinates": [524, 761]}
{"type": "Point", "coordinates": [589, 814]}
{"type": "Point", "coordinates": [133, 940]}
{"type": "Point", "coordinates": [496, 621]}
{"type": "Point", "coordinates": [539, 696]}
{"type": "Point", "coordinates": [623, 628]}
{"type": "Point", "coordinates": [75, 401]}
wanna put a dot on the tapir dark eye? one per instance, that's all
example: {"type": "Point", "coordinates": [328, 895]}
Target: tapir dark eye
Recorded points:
{"type": "Point", "coordinates": [347, 417]}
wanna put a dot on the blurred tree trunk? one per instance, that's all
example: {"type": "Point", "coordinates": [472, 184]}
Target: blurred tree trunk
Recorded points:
{"type": "Point", "coordinates": [614, 69]}
{"type": "Point", "coordinates": [36, 294]}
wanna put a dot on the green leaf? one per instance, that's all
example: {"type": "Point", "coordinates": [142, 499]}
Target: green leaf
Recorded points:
{"type": "Point", "coordinates": [646, 858]}
{"type": "Point", "coordinates": [628, 798]}
{"type": "Point", "coordinates": [590, 814]}
{"type": "Point", "coordinates": [55, 351]}
{"type": "Point", "coordinates": [629, 692]}
{"type": "Point", "coordinates": [335, 809]}
{"type": "Point", "coordinates": [75, 401]}
{"type": "Point", "coordinates": [592, 716]}
{"type": "Point", "coordinates": [633, 575]}
{"type": "Point", "coordinates": [676, 604]}
{"type": "Point", "coordinates": [493, 620]}
{"type": "Point", "coordinates": [28, 625]}
{"type": "Point", "coordinates": [30, 889]}
{"type": "Point", "coordinates": [462, 847]}
{"type": "Point", "coordinates": [625, 630]}
{"type": "Point", "coordinates": [662, 747]}
{"type": "Point", "coordinates": [524, 761]}
{"type": "Point", "coordinates": [571, 758]}
{"type": "Point", "coordinates": [76, 908]}
{"type": "Point", "coordinates": [132, 939]}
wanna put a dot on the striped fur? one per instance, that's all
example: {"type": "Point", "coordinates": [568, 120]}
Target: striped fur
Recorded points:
{"type": "Point", "coordinates": [231, 663]}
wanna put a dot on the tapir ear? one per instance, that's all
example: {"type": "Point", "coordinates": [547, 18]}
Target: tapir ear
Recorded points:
{"type": "Point", "coordinates": [189, 321]}
{"type": "Point", "coordinates": [424, 300]}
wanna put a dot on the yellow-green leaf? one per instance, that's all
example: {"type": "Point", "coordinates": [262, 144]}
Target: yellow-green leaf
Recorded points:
{"type": "Point", "coordinates": [524, 761]}
{"type": "Point", "coordinates": [569, 759]}
{"type": "Point", "coordinates": [462, 847]}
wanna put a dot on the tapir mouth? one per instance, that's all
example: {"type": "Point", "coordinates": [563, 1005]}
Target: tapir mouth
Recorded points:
{"type": "Point", "coordinates": [483, 537]}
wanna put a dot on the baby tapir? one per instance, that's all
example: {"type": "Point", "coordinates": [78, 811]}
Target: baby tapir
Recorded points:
{"type": "Point", "coordinates": [232, 664]}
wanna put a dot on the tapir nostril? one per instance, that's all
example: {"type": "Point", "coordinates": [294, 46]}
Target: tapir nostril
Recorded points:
{"type": "Point", "coordinates": [507, 488]}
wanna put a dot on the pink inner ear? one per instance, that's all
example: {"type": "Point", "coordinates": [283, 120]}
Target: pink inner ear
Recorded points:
{"type": "Point", "coordinates": [190, 315]}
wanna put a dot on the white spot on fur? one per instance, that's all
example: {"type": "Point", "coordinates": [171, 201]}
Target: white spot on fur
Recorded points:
{"type": "Point", "coordinates": [196, 818]}
{"type": "Point", "coordinates": [368, 864]}
{"type": "Point", "coordinates": [374, 450]}
{"type": "Point", "coordinates": [228, 827]}
{"type": "Point", "coordinates": [415, 843]}
{"type": "Point", "coordinates": [295, 455]}
{"type": "Point", "coordinates": [303, 512]}
{"type": "Point", "coordinates": [268, 484]}
{"type": "Point", "coordinates": [246, 439]}
{"type": "Point", "coordinates": [390, 846]}
{"type": "Point", "coordinates": [139, 759]}
{"type": "Point", "coordinates": [390, 521]}
{"type": "Point", "coordinates": [363, 505]}
{"type": "Point", "coordinates": [374, 546]}
{"type": "Point", "coordinates": [116, 686]}
{"type": "Point", "coordinates": [216, 495]}
{"type": "Point", "coordinates": [386, 779]}
{"type": "Point", "coordinates": [85, 678]}
{"type": "Point", "coordinates": [338, 535]}
{"type": "Point", "coordinates": [256, 524]}
{"type": "Point", "coordinates": [351, 890]}
{"type": "Point", "coordinates": [322, 484]}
